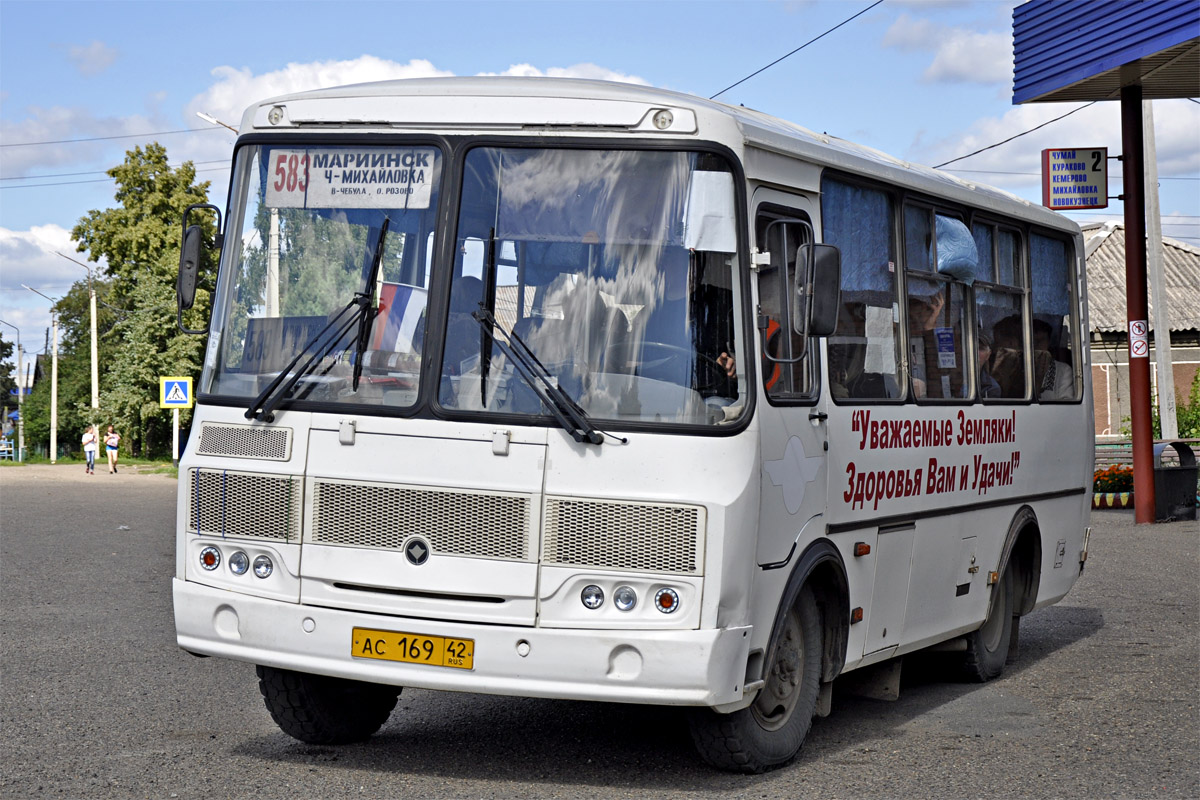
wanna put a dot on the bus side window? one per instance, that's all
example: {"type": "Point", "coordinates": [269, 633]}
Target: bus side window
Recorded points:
{"type": "Point", "coordinates": [864, 350]}
{"type": "Point", "coordinates": [1054, 356]}
{"type": "Point", "coordinates": [936, 250]}
{"type": "Point", "coordinates": [1000, 313]}
{"type": "Point", "coordinates": [786, 371]}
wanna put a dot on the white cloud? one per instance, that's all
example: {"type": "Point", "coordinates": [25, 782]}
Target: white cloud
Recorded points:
{"type": "Point", "coordinates": [92, 59]}
{"type": "Point", "coordinates": [236, 89]}
{"type": "Point", "coordinates": [31, 257]}
{"type": "Point", "coordinates": [62, 124]}
{"type": "Point", "coordinates": [960, 55]}
{"type": "Point", "coordinates": [585, 70]}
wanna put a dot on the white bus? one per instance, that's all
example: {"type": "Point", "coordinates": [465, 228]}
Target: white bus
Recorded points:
{"type": "Point", "coordinates": [572, 389]}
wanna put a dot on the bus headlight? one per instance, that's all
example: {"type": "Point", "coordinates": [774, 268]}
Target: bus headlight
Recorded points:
{"type": "Point", "coordinates": [592, 596]}
{"type": "Point", "coordinates": [263, 567]}
{"type": "Point", "coordinates": [624, 598]}
{"type": "Point", "coordinates": [239, 562]}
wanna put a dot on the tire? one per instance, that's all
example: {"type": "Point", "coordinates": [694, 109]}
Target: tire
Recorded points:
{"type": "Point", "coordinates": [769, 732]}
{"type": "Point", "coordinates": [317, 709]}
{"type": "Point", "coordinates": [987, 648]}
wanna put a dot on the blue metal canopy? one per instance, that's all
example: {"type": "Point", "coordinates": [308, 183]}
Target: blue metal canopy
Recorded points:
{"type": "Point", "coordinates": [1072, 50]}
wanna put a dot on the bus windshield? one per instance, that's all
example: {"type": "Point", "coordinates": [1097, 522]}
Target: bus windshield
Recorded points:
{"type": "Point", "coordinates": [304, 234]}
{"type": "Point", "coordinates": [614, 268]}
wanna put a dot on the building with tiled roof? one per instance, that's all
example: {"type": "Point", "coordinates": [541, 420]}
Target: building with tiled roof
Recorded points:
{"type": "Point", "coordinates": [1105, 249]}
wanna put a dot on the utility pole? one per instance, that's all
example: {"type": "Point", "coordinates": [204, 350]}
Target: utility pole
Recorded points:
{"type": "Point", "coordinates": [1158, 293]}
{"type": "Point", "coordinates": [20, 396]}
{"type": "Point", "coordinates": [53, 378]}
{"type": "Point", "coordinates": [95, 360]}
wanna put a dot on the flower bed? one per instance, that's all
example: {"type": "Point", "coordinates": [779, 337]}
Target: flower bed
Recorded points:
{"type": "Point", "coordinates": [1112, 500]}
{"type": "Point", "coordinates": [1113, 487]}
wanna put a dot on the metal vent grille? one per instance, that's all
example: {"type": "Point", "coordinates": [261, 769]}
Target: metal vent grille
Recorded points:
{"type": "Point", "coordinates": [483, 525]}
{"type": "Point", "coordinates": [224, 503]}
{"type": "Point", "coordinates": [630, 536]}
{"type": "Point", "coordinates": [245, 441]}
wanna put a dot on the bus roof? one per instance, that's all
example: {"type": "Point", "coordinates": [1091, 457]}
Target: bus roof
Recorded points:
{"type": "Point", "coordinates": [575, 105]}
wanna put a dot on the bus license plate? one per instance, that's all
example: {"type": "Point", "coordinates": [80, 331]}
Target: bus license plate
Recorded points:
{"type": "Point", "coordinates": [413, 648]}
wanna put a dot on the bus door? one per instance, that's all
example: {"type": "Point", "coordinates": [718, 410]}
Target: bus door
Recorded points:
{"type": "Point", "coordinates": [792, 422]}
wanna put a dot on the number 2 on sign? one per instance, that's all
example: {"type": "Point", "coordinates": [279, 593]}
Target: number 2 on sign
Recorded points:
{"type": "Point", "coordinates": [291, 172]}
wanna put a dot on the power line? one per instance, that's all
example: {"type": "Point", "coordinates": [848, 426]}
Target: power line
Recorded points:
{"type": "Point", "coordinates": [1009, 139]}
{"type": "Point", "coordinates": [95, 172]}
{"type": "Point", "coordinates": [1112, 176]}
{"type": "Point", "coordinates": [97, 180]}
{"type": "Point", "coordinates": [797, 50]}
{"type": "Point", "coordinates": [107, 138]}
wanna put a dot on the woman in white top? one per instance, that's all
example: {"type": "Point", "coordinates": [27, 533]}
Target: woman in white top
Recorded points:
{"type": "Point", "coordinates": [90, 445]}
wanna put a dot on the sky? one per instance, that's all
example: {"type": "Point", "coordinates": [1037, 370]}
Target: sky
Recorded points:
{"type": "Point", "coordinates": [924, 80]}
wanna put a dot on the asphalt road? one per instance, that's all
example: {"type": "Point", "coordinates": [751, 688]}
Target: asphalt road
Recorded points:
{"type": "Point", "coordinates": [96, 701]}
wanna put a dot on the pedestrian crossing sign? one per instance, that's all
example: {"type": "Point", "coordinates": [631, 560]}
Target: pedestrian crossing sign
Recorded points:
{"type": "Point", "coordinates": [175, 392]}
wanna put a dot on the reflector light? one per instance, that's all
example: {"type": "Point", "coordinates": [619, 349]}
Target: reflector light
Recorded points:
{"type": "Point", "coordinates": [667, 600]}
{"type": "Point", "coordinates": [210, 558]}
{"type": "Point", "coordinates": [861, 549]}
{"type": "Point", "coordinates": [856, 615]}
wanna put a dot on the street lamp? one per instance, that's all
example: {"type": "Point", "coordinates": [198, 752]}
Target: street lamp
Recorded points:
{"type": "Point", "coordinates": [209, 118]}
{"type": "Point", "coordinates": [20, 395]}
{"type": "Point", "coordinates": [53, 378]}
{"type": "Point", "coordinates": [95, 360]}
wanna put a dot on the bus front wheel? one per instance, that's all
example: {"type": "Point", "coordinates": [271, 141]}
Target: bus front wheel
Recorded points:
{"type": "Point", "coordinates": [318, 709]}
{"type": "Point", "coordinates": [770, 731]}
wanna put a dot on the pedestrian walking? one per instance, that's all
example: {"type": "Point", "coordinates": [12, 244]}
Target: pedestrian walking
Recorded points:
{"type": "Point", "coordinates": [112, 440]}
{"type": "Point", "coordinates": [90, 445]}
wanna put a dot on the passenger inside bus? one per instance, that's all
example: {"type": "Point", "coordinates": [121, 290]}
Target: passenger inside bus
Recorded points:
{"type": "Point", "coordinates": [1008, 357]}
{"type": "Point", "coordinates": [988, 386]}
{"type": "Point", "coordinates": [1054, 379]}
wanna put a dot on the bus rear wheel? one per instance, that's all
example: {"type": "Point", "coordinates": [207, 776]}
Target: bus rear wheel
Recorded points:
{"type": "Point", "coordinates": [987, 648]}
{"type": "Point", "coordinates": [318, 709]}
{"type": "Point", "coordinates": [769, 732]}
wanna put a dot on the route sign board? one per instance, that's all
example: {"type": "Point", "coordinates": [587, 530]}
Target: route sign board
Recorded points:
{"type": "Point", "coordinates": [1075, 178]}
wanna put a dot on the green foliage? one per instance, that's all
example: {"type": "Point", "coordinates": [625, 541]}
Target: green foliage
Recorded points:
{"type": "Point", "coordinates": [1187, 415]}
{"type": "Point", "coordinates": [140, 239]}
{"type": "Point", "coordinates": [7, 382]}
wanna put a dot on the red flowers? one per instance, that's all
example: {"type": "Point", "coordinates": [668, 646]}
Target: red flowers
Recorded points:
{"type": "Point", "coordinates": [1113, 479]}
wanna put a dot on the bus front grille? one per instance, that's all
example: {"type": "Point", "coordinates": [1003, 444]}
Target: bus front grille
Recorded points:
{"type": "Point", "coordinates": [454, 522]}
{"type": "Point", "coordinates": [244, 504]}
{"type": "Point", "coordinates": [642, 537]}
{"type": "Point", "coordinates": [244, 441]}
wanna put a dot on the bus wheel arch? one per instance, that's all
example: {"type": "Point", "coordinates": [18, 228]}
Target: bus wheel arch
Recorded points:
{"type": "Point", "coordinates": [1014, 594]}
{"type": "Point", "coordinates": [812, 619]}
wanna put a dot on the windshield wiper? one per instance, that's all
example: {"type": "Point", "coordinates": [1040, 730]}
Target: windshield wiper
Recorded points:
{"type": "Point", "coordinates": [570, 416]}
{"type": "Point", "coordinates": [368, 309]}
{"type": "Point", "coordinates": [322, 344]}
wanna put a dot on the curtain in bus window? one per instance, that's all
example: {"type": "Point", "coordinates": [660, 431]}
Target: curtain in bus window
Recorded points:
{"type": "Point", "coordinates": [1054, 364]}
{"type": "Point", "coordinates": [864, 350]}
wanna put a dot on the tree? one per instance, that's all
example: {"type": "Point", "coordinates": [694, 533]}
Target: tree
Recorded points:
{"type": "Point", "coordinates": [7, 384]}
{"type": "Point", "coordinates": [140, 239]}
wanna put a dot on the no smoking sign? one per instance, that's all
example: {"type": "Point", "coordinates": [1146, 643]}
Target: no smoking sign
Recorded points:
{"type": "Point", "coordinates": [1139, 339]}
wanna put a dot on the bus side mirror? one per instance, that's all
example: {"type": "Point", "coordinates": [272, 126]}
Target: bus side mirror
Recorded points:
{"type": "Point", "coordinates": [189, 267]}
{"type": "Point", "coordinates": [191, 254]}
{"type": "Point", "coordinates": [818, 289]}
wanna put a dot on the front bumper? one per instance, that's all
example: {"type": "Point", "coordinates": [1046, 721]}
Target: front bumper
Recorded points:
{"type": "Point", "coordinates": [691, 667]}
